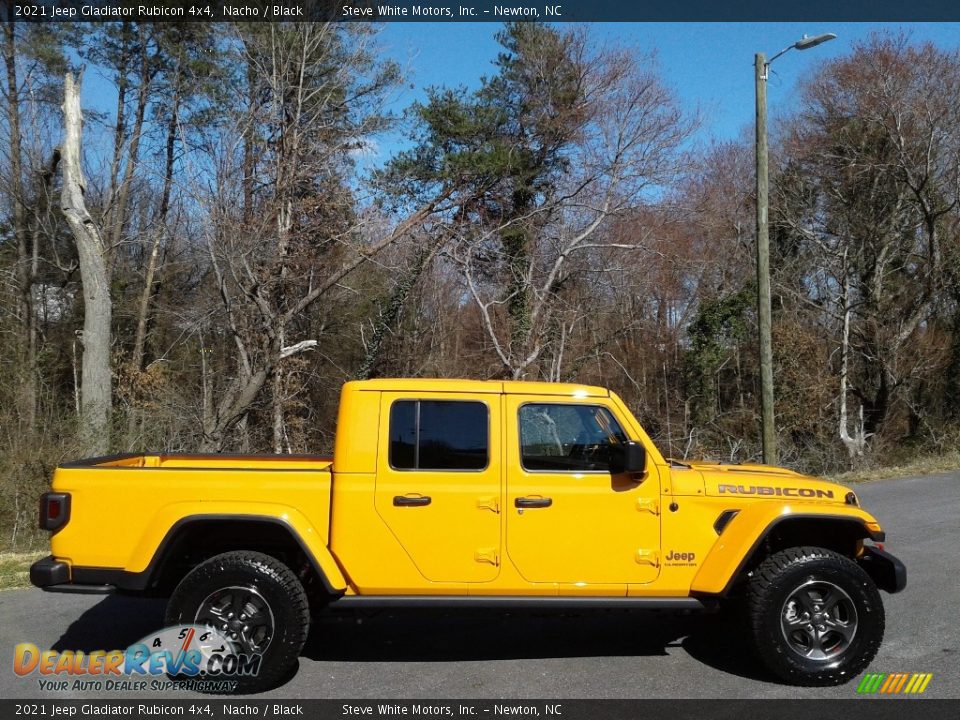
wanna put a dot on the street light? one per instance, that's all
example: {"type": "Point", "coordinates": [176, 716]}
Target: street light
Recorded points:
{"type": "Point", "coordinates": [761, 66]}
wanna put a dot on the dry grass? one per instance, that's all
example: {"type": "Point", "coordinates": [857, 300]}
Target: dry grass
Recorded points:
{"type": "Point", "coordinates": [919, 466]}
{"type": "Point", "coordinates": [15, 568]}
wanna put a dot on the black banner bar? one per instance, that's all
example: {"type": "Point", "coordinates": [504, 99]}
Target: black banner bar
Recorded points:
{"type": "Point", "coordinates": [480, 10]}
{"type": "Point", "coordinates": [217, 707]}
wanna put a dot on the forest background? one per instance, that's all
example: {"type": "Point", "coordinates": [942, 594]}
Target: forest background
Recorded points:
{"type": "Point", "coordinates": [203, 264]}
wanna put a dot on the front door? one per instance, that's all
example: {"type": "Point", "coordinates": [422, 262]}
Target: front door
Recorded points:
{"type": "Point", "coordinates": [438, 482]}
{"type": "Point", "coordinates": [569, 520]}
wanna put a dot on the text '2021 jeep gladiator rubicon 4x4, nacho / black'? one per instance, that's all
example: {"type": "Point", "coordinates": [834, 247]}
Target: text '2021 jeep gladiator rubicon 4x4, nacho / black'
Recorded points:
{"type": "Point", "coordinates": [477, 493]}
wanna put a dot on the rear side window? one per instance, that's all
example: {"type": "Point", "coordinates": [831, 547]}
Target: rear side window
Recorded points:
{"type": "Point", "coordinates": [439, 435]}
{"type": "Point", "coordinates": [572, 438]}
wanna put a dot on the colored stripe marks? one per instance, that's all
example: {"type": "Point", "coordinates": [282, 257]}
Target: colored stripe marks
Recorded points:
{"type": "Point", "coordinates": [894, 683]}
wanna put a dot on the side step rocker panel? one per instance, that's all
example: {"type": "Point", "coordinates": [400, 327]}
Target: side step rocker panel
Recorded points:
{"type": "Point", "coordinates": [532, 602]}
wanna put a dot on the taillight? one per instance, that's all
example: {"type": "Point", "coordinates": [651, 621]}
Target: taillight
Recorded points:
{"type": "Point", "coordinates": [54, 510]}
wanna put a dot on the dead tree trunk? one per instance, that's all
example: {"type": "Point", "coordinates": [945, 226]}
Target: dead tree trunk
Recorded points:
{"type": "Point", "coordinates": [95, 378]}
{"type": "Point", "coordinates": [284, 225]}
{"type": "Point", "coordinates": [857, 442]}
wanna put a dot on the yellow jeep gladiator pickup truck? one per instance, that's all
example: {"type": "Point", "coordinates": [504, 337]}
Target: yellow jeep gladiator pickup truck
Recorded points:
{"type": "Point", "coordinates": [476, 493]}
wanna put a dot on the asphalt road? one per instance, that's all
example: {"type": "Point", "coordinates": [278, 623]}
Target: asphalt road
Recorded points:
{"type": "Point", "coordinates": [415, 655]}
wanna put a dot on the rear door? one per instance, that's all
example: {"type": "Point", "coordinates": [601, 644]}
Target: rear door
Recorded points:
{"type": "Point", "coordinates": [438, 482]}
{"type": "Point", "coordinates": [569, 519]}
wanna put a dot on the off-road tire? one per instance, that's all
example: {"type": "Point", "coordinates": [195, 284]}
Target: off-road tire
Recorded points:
{"type": "Point", "coordinates": [780, 579]}
{"type": "Point", "coordinates": [278, 586]}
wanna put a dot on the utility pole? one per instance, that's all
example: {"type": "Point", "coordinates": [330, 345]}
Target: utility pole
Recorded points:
{"type": "Point", "coordinates": [761, 69]}
{"type": "Point", "coordinates": [768, 428]}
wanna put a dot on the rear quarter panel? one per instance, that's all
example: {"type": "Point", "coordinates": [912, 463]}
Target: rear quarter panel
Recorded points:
{"type": "Point", "coordinates": [120, 513]}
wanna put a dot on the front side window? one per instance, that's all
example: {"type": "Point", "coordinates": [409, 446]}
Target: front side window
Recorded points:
{"type": "Point", "coordinates": [438, 435]}
{"type": "Point", "coordinates": [572, 438]}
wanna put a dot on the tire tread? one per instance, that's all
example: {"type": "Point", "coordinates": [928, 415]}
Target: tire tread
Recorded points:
{"type": "Point", "coordinates": [270, 569]}
{"type": "Point", "coordinates": [763, 585]}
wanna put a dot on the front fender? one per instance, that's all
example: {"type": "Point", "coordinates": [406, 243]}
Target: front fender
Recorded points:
{"type": "Point", "coordinates": [744, 533]}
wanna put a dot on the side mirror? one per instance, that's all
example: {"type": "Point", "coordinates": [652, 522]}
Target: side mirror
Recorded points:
{"type": "Point", "coordinates": [629, 458]}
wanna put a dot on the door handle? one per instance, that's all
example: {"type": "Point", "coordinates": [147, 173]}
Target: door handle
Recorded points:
{"type": "Point", "coordinates": [533, 502]}
{"type": "Point", "coordinates": [407, 501]}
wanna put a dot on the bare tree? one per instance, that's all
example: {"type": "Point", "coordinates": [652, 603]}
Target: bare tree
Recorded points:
{"type": "Point", "coordinates": [316, 101]}
{"type": "Point", "coordinates": [625, 140]}
{"type": "Point", "coordinates": [96, 399]}
{"type": "Point", "coordinates": [31, 56]}
{"type": "Point", "coordinates": [28, 397]}
{"type": "Point", "coordinates": [872, 178]}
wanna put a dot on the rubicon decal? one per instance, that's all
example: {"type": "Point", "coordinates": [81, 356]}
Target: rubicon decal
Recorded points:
{"type": "Point", "coordinates": [775, 491]}
{"type": "Point", "coordinates": [894, 683]}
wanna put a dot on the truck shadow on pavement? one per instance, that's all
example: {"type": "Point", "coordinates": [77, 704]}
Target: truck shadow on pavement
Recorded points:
{"type": "Point", "coordinates": [431, 636]}
{"type": "Point", "coordinates": [114, 623]}
{"type": "Point", "coordinates": [117, 621]}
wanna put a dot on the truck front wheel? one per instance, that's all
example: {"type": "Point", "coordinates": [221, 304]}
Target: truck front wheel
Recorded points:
{"type": "Point", "coordinates": [254, 601]}
{"type": "Point", "coordinates": [816, 617]}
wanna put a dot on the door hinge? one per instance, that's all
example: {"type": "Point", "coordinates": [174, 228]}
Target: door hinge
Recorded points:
{"type": "Point", "coordinates": [487, 555]}
{"type": "Point", "coordinates": [649, 505]}
{"type": "Point", "coordinates": [489, 502]}
{"type": "Point", "coordinates": [648, 557]}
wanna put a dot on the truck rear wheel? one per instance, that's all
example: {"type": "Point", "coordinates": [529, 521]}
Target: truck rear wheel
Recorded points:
{"type": "Point", "coordinates": [816, 618]}
{"type": "Point", "coordinates": [253, 600]}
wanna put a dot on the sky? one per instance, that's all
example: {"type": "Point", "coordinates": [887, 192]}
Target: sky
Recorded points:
{"type": "Point", "coordinates": [709, 65]}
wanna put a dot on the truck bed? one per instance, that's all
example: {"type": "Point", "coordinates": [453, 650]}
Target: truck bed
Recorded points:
{"type": "Point", "coordinates": [188, 461]}
{"type": "Point", "coordinates": [123, 508]}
